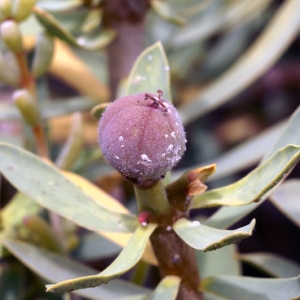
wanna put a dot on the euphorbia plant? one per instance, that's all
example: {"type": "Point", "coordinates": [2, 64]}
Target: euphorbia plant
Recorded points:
{"type": "Point", "coordinates": [140, 135]}
{"type": "Point", "coordinates": [164, 206]}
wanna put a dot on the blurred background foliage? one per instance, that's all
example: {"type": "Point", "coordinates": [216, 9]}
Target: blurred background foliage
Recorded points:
{"type": "Point", "coordinates": [235, 73]}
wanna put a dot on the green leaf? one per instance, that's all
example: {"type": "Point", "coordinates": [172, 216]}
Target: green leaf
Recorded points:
{"type": "Point", "coordinates": [264, 52]}
{"type": "Point", "coordinates": [286, 199]}
{"type": "Point", "coordinates": [219, 17]}
{"type": "Point", "coordinates": [206, 238]}
{"type": "Point", "coordinates": [221, 262]}
{"type": "Point", "coordinates": [150, 72]}
{"type": "Point", "coordinates": [11, 281]}
{"type": "Point", "coordinates": [287, 136]}
{"type": "Point", "coordinates": [50, 109]}
{"type": "Point", "coordinates": [52, 25]}
{"type": "Point", "coordinates": [19, 207]}
{"type": "Point", "coordinates": [93, 246]}
{"type": "Point", "coordinates": [86, 42]}
{"type": "Point", "coordinates": [129, 256]}
{"type": "Point", "coordinates": [167, 289]}
{"type": "Point", "coordinates": [54, 267]}
{"type": "Point", "coordinates": [226, 215]}
{"type": "Point", "coordinates": [46, 185]}
{"type": "Point", "coordinates": [248, 288]}
{"type": "Point", "coordinates": [167, 12]}
{"type": "Point", "coordinates": [98, 41]}
{"type": "Point", "coordinates": [272, 264]}
{"type": "Point", "coordinates": [59, 6]}
{"type": "Point", "coordinates": [256, 186]}
{"type": "Point", "coordinates": [242, 156]}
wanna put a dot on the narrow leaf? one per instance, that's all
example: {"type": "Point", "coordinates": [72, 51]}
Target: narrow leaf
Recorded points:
{"type": "Point", "coordinates": [96, 42]}
{"type": "Point", "coordinates": [46, 185]}
{"type": "Point", "coordinates": [86, 42]}
{"type": "Point", "coordinates": [221, 262]}
{"type": "Point", "coordinates": [272, 264]}
{"type": "Point", "coordinates": [287, 136]}
{"type": "Point", "coordinates": [256, 186]}
{"type": "Point", "coordinates": [53, 26]}
{"type": "Point", "coordinates": [50, 109]}
{"type": "Point", "coordinates": [286, 199]}
{"type": "Point", "coordinates": [166, 11]}
{"type": "Point", "coordinates": [266, 50]}
{"type": "Point", "coordinates": [244, 155]}
{"type": "Point", "coordinates": [129, 256]}
{"type": "Point", "coordinates": [59, 6]}
{"type": "Point", "coordinates": [206, 238]}
{"type": "Point", "coordinates": [167, 289]}
{"type": "Point", "coordinates": [248, 288]}
{"type": "Point", "coordinates": [110, 203]}
{"type": "Point", "coordinates": [54, 267]}
{"type": "Point", "coordinates": [151, 72]}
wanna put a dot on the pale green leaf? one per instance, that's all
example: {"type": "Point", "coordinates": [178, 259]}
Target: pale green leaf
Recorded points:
{"type": "Point", "coordinates": [248, 288]}
{"type": "Point", "coordinates": [54, 267]}
{"type": "Point", "coordinates": [264, 52]}
{"type": "Point", "coordinates": [150, 72]}
{"type": "Point", "coordinates": [96, 42]}
{"type": "Point", "coordinates": [17, 209]}
{"type": "Point", "coordinates": [256, 186]}
{"type": "Point", "coordinates": [53, 26]}
{"type": "Point", "coordinates": [46, 185]}
{"type": "Point", "coordinates": [59, 6]}
{"type": "Point", "coordinates": [206, 238]}
{"type": "Point", "coordinates": [242, 156]}
{"type": "Point", "coordinates": [167, 12]}
{"type": "Point", "coordinates": [272, 264]}
{"type": "Point", "coordinates": [220, 17]}
{"type": "Point", "coordinates": [287, 135]}
{"type": "Point", "coordinates": [167, 289]}
{"type": "Point", "coordinates": [50, 109]}
{"type": "Point", "coordinates": [226, 216]}
{"type": "Point", "coordinates": [286, 199]}
{"type": "Point", "coordinates": [93, 246]}
{"type": "Point", "coordinates": [129, 256]}
{"type": "Point", "coordinates": [221, 262]}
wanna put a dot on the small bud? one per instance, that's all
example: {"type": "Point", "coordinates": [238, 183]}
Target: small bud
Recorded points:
{"type": "Point", "coordinates": [43, 54]}
{"type": "Point", "coordinates": [142, 137]}
{"type": "Point", "coordinates": [22, 8]}
{"type": "Point", "coordinates": [5, 9]}
{"type": "Point", "coordinates": [11, 35]}
{"type": "Point", "coordinates": [27, 106]}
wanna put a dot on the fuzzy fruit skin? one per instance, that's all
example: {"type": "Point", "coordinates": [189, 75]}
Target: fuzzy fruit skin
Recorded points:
{"type": "Point", "coordinates": [142, 141]}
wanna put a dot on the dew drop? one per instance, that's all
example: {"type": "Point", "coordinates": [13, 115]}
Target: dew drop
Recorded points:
{"type": "Point", "coordinates": [195, 224]}
{"type": "Point", "coordinates": [121, 138]}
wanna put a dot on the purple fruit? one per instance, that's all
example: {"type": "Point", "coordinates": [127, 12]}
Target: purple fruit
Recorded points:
{"type": "Point", "coordinates": [142, 137]}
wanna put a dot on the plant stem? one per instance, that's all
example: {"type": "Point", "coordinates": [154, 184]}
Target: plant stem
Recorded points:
{"type": "Point", "coordinates": [174, 256]}
{"type": "Point", "coordinates": [28, 82]}
{"type": "Point", "coordinates": [127, 18]}
{"type": "Point", "coordinates": [153, 199]}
